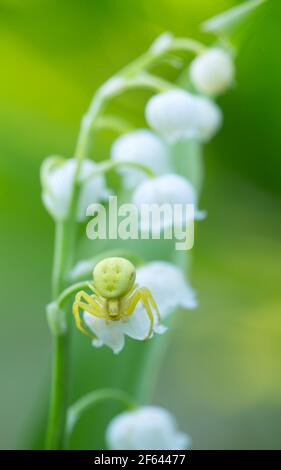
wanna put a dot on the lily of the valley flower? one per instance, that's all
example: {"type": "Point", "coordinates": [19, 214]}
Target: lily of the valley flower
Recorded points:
{"type": "Point", "coordinates": [146, 428]}
{"type": "Point", "coordinates": [212, 72]}
{"type": "Point", "coordinates": [169, 189]}
{"type": "Point", "coordinates": [112, 333]}
{"type": "Point", "coordinates": [167, 285]}
{"type": "Point", "coordinates": [177, 115]}
{"type": "Point", "coordinates": [171, 114]}
{"type": "Point", "coordinates": [140, 146]}
{"type": "Point", "coordinates": [56, 195]}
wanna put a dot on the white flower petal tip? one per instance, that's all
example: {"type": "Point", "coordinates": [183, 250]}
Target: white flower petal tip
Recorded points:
{"type": "Point", "coordinates": [168, 286]}
{"type": "Point", "coordinates": [59, 184]}
{"type": "Point", "coordinates": [162, 43]}
{"type": "Point", "coordinates": [146, 428]}
{"type": "Point", "coordinates": [171, 114]}
{"type": "Point", "coordinates": [160, 329]}
{"type": "Point", "coordinates": [212, 72]}
{"type": "Point", "coordinates": [140, 146]}
{"type": "Point", "coordinates": [97, 343]}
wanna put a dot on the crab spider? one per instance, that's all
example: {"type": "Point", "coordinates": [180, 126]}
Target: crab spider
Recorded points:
{"type": "Point", "coordinates": [115, 295]}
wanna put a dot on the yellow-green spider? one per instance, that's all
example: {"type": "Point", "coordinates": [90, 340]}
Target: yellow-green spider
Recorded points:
{"type": "Point", "coordinates": [115, 294]}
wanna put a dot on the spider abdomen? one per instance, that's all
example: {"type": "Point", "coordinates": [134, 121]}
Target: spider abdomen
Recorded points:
{"type": "Point", "coordinates": [114, 277]}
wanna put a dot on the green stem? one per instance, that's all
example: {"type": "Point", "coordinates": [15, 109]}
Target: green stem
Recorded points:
{"type": "Point", "coordinates": [58, 398]}
{"type": "Point", "coordinates": [65, 239]}
{"type": "Point", "coordinates": [109, 165]}
{"type": "Point", "coordinates": [187, 44]}
{"type": "Point", "coordinates": [149, 59]}
{"type": "Point", "coordinates": [70, 291]}
{"type": "Point", "coordinates": [114, 123]}
{"type": "Point", "coordinates": [92, 399]}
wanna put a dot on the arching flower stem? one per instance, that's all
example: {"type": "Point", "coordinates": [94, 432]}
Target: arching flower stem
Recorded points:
{"type": "Point", "coordinates": [92, 399]}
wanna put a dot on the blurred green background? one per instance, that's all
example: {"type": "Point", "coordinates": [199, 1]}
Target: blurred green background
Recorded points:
{"type": "Point", "coordinates": [221, 373]}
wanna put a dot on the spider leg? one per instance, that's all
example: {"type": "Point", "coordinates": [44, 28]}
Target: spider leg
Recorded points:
{"type": "Point", "coordinates": [78, 321]}
{"type": "Point", "coordinates": [97, 296]}
{"type": "Point", "coordinates": [150, 316]}
{"type": "Point", "coordinates": [152, 302]}
{"type": "Point", "coordinates": [91, 307]}
{"type": "Point", "coordinates": [128, 297]}
{"type": "Point", "coordinates": [140, 296]}
{"type": "Point", "coordinates": [132, 291]}
{"type": "Point", "coordinates": [131, 303]}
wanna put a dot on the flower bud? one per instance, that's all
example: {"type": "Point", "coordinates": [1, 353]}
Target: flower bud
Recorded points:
{"type": "Point", "coordinates": [172, 114]}
{"type": "Point", "coordinates": [167, 285]}
{"type": "Point", "coordinates": [146, 428]}
{"type": "Point", "coordinates": [140, 146]}
{"type": "Point", "coordinates": [58, 187]}
{"type": "Point", "coordinates": [212, 72]}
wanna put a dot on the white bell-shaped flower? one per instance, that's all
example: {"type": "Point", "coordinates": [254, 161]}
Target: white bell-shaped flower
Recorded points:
{"type": "Point", "coordinates": [212, 72]}
{"type": "Point", "coordinates": [112, 333]}
{"type": "Point", "coordinates": [168, 286]}
{"type": "Point", "coordinates": [146, 428]}
{"type": "Point", "coordinates": [172, 114]}
{"type": "Point", "coordinates": [178, 115]}
{"type": "Point", "coordinates": [208, 118]}
{"type": "Point", "coordinates": [58, 187]}
{"type": "Point", "coordinates": [167, 191]}
{"type": "Point", "coordinates": [140, 146]}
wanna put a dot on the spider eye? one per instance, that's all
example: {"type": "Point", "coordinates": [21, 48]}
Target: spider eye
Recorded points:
{"type": "Point", "coordinates": [114, 277]}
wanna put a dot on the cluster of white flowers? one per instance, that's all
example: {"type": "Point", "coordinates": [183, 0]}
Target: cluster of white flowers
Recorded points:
{"type": "Point", "coordinates": [146, 428]}
{"type": "Point", "coordinates": [172, 116]}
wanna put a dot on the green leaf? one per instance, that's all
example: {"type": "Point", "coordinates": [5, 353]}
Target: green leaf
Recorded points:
{"type": "Point", "coordinates": [230, 20]}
